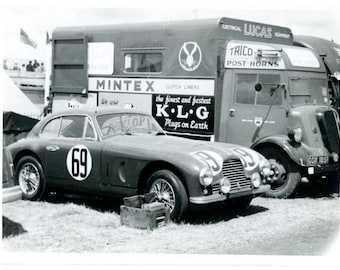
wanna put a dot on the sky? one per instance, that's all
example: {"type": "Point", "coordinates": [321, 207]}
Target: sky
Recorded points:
{"type": "Point", "coordinates": [317, 18]}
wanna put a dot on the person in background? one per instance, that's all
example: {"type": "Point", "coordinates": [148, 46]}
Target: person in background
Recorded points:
{"type": "Point", "coordinates": [29, 66]}
{"type": "Point", "coordinates": [41, 68]}
{"type": "Point", "coordinates": [35, 65]}
{"type": "Point", "coordinates": [48, 108]}
{"type": "Point", "coordinates": [16, 66]}
{"type": "Point", "coordinates": [5, 64]}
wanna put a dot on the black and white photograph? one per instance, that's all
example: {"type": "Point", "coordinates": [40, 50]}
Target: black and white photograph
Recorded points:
{"type": "Point", "coordinates": [187, 134]}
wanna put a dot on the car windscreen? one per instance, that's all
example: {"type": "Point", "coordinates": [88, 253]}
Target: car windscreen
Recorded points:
{"type": "Point", "coordinates": [123, 123]}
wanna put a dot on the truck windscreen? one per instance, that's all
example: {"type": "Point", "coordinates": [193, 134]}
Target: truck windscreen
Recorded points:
{"type": "Point", "coordinates": [308, 91]}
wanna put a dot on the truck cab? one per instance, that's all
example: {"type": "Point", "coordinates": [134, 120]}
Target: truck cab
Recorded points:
{"type": "Point", "coordinates": [329, 51]}
{"type": "Point", "coordinates": [275, 99]}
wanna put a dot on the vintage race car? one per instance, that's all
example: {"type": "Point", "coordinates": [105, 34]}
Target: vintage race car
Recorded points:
{"type": "Point", "coordinates": [121, 152]}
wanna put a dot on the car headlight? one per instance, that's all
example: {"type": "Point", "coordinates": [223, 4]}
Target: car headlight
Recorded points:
{"type": "Point", "coordinates": [225, 185]}
{"type": "Point", "coordinates": [295, 135]}
{"type": "Point", "coordinates": [256, 179]}
{"type": "Point", "coordinates": [206, 176]}
{"type": "Point", "coordinates": [265, 167]}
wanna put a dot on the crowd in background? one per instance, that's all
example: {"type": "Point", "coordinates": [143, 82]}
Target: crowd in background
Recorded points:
{"type": "Point", "coordinates": [32, 66]}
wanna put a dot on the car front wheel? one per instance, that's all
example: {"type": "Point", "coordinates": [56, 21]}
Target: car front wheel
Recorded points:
{"type": "Point", "coordinates": [30, 177]}
{"type": "Point", "coordinates": [170, 190]}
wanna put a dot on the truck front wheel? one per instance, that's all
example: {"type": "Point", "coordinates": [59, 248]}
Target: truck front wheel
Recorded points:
{"type": "Point", "coordinates": [285, 178]}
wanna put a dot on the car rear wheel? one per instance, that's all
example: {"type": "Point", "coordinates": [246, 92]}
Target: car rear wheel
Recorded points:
{"type": "Point", "coordinates": [30, 177]}
{"type": "Point", "coordinates": [169, 190]}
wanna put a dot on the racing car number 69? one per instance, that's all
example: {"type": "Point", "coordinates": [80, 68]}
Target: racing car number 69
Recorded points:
{"type": "Point", "coordinates": [79, 162]}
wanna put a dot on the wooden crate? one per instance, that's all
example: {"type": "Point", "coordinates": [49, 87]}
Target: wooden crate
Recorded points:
{"type": "Point", "coordinates": [155, 215]}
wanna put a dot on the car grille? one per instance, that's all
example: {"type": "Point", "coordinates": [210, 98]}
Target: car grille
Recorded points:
{"type": "Point", "coordinates": [233, 170]}
{"type": "Point", "coordinates": [329, 130]}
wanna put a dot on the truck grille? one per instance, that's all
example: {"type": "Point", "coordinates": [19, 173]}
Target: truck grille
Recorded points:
{"type": "Point", "coordinates": [329, 130]}
{"type": "Point", "coordinates": [233, 169]}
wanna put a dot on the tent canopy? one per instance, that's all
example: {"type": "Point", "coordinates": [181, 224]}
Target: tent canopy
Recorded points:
{"type": "Point", "coordinates": [13, 122]}
{"type": "Point", "coordinates": [14, 100]}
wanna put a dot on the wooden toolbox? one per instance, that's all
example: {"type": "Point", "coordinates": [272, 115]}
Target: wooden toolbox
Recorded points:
{"type": "Point", "coordinates": [137, 212]}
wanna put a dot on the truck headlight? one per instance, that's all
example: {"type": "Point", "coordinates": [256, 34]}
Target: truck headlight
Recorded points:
{"type": "Point", "coordinates": [335, 157]}
{"type": "Point", "coordinates": [206, 176]}
{"type": "Point", "coordinates": [265, 167]}
{"type": "Point", "coordinates": [256, 179]}
{"type": "Point", "coordinates": [295, 135]}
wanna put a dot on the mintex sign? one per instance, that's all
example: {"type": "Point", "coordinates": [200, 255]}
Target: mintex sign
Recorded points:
{"type": "Point", "coordinates": [179, 105]}
{"type": "Point", "coordinates": [152, 86]}
{"type": "Point", "coordinates": [252, 56]}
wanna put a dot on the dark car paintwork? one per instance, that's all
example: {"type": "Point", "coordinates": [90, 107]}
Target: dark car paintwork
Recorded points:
{"type": "Point", "coordinates": [120, 163]}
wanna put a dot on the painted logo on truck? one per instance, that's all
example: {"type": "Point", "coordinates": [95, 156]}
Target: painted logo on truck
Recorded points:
{"type": "Point", "coordinates": [178, 113]}
{"type": "Point", "coordinates": [190, 56]}
{"type": "Point", "coordinates": [252, 56]}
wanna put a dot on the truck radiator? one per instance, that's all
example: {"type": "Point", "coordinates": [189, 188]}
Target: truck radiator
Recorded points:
{"type": "Point", "coordinates": [329, 130]}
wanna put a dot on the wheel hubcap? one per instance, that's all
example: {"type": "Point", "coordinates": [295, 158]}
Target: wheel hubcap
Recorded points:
{"type": "Point", "coordinates": [29, 179]}
{"type": "Point", "coordinates": [278, 174]}
{"type": "Point", "coordinates": [165, 193]}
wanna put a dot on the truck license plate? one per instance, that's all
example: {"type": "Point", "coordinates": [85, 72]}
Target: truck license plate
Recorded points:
{"type": "Point", "coordinates": [315, 160]}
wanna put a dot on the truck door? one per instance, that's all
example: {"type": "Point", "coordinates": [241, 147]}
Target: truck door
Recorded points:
{"type": "Point", "coordinates": [247, 114]}
{"type": "Point", "coordinates": [69, 65]}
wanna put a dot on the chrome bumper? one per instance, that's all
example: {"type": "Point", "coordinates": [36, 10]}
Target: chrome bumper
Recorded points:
{"type": "Point", "coordinates": [222, 197]}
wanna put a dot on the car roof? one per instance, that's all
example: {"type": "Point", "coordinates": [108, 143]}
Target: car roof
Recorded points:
{"type": "Point", "coordinates": [93, 111]}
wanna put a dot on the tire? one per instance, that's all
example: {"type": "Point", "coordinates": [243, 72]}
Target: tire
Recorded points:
{"type": "Point", "coordinates": [289, 177]}
{"type": "Point", "coordinates": [171, 191]}
{"type": "Point", "coordinates": [31, 179]}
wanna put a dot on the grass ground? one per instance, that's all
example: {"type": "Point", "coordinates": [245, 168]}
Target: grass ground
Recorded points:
{"type": "Point", "coordinates": [302, 226]}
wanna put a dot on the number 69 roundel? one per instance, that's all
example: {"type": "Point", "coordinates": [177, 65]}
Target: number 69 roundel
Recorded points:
{"type": "Point", "coordinates": [79, 162]}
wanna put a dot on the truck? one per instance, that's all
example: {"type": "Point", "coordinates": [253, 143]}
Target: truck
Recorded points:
{"type": "Point", "coordinates": [224, 80]}
{"type": "Point", "coordinates": [329, 51]}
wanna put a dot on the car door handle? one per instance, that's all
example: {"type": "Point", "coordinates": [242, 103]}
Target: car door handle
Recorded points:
{"type": "Point", "coordinates": [52, 148]}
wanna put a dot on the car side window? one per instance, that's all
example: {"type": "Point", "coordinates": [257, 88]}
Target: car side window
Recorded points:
{"type": "Point", "coordinates": [89, 130]}
{"type": "Point", "coordinates": [51, 129]}
{"type": "Point", "coordinates": [72, 126]}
